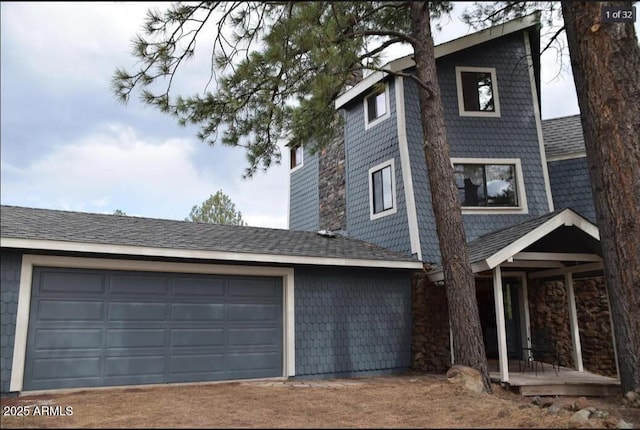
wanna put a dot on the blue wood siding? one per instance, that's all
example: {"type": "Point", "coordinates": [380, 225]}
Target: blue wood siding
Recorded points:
{"type": "Point", "coordinates": [364, 149]}
{"type": "Point", "coordinates": [352, 322]}
{"type": "Point", "coordinates": [304, 211]}
{"type": "Point", "coordinates": [571, 186]}
{"type": "Point", "coordinates": [10, 265]}
{"type": "Point", "coordinates": [512, 135]}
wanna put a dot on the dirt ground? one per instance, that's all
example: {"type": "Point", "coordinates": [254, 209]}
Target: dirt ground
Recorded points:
{"type": "Point", "coordinates": [407, 401]}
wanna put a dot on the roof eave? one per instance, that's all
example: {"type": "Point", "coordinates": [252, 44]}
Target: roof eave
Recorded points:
{"type": "Point", "coordinates": [565, 218]}
{"type": "Point", "coordinates": [211, 255]}
{"type": "Point", "coordinates": [441, 50]}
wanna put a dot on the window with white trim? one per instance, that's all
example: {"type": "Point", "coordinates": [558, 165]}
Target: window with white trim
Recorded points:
{"type": "Point", "coordinates": [382, 193]}
{"type": "Point", "coordinates": [295, 155]}
{"type": "Point", "coordinates": [376, 107]}
{"type": "Point", "coordinates": [491, 184]}
{"type": "Point", "coordinates": [477, 91]}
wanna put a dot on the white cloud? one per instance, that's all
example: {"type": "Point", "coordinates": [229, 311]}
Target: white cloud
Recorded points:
{"type": "Point", "coordinates": [110, 166]}
{"type": "Point", "coordinates": [115, 168]}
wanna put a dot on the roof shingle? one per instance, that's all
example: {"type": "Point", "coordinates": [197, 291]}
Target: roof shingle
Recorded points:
{"type": "Point", "coordinates": [563, 136]}
{"type": "Point", "coordinates": [79, 227]}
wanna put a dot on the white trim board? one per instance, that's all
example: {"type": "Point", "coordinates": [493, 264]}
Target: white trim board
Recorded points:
{"type": "Point", "coordinates": [405, 165]}
{"type": "Point", "coordinates": [30, 261]}
{"type": "Point", "coordinates": [243, 257]}
{"type": "Point", "coordinates": [440, 51]}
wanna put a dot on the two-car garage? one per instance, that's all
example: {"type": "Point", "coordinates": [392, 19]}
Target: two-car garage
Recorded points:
{"type": "Point", "coordinates": [92, 328]}
{"type": "Point", "coordinates": [96, 300]}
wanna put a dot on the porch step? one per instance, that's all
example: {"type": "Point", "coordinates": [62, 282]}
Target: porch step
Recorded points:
{"type": "Point", "coordinates": [587, 390]}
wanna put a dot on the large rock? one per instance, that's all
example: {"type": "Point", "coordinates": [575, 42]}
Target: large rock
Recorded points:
{"type": "Point", "coordinates": [580, 419]}
{"type": "Point", "coordinates": [466, 377]}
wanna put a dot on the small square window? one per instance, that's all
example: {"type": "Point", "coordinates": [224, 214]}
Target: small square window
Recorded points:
{"type": "Point", "coordinates": [296, 157]}
{"type": "Point", "coordinates": [376, 107]}
{"type": "Point", "coordinates": [382, 190]}
{"type": "Point", "coordinates": [477, 91]}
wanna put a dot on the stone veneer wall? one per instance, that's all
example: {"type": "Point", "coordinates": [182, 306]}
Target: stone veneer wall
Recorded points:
{"type": "Point", "coordinates": [430, 341]}
{"type": "Point", "coordinates": [549, 315]}
{"type": "Point", "coordinates": [592, 304]}
{"type": "Point", "coordinates": [332, 186]}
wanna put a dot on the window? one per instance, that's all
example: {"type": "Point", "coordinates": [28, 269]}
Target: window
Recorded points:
{"type": "Point", "coordinates": [296, 157]}
{"type": "Point", "coordinates": [376, 107]}
{"type": "Point", "coordinates": [477, 91]}
{"type": "Point", "coordinates": [382, 190]}
{"type": "Point", "coordinates": [489, 184]}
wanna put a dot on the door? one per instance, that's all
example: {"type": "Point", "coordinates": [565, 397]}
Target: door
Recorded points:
{"type": "Point", "coordinates": [91, 328]}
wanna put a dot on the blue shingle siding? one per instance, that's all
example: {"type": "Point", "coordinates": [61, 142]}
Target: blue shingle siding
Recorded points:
{"type": "Point", "coordinates": [512, 135]}
{"type": "Point", "coordinates": [419, 173]}
{"type": "Point", "coordinates": [571, 186]}
{"type": "Point", "coordinates": [304, 212]}
{"type": "Point", "coordinates": [351, 321]}
{"type": "Point", "coordinates": [365, 149]}
{"type": "Point", "coordinates": [10, 263]}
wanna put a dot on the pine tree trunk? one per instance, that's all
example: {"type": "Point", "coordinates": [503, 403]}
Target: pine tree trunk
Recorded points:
{"type": "Point", "coordinates": [467, 345]}
{"type": "Point", "coordinates": [605, 59]}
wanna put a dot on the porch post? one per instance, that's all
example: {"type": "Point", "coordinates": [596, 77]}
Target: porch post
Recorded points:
{"type": "Point", "coordinates": [503, 359]}
{"type": "Point", "coordinates": [573, 320]}
{"type": "Point", "coordinates": [613, 333]}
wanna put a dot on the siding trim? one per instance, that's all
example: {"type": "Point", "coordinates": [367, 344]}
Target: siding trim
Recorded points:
{"type": "Point", "coordinates": [245, 257]}
{"type": "Point", "coordinates": [571, 156]}
{"type": "Point", "coordinates": [405, 165]}
{"type": "Point", "coordinates": [24, 297]}
{"type": "Point", "coordinates": [536, 114]}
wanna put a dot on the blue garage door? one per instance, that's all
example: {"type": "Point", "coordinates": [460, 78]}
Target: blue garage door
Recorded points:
{"type": "Point", "coordinates": [91, 328]}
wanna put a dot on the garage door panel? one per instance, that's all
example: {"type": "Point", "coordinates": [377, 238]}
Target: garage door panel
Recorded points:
{"type": "Point", "coordinates": [130, 338]}
{"type": "Point", "coordinates": [138, 284]}
{"type": "Point", "coordinates": [197, 312]}
{"type": "Point", "coordinates": [198, 286]}
{"type": "Point", "coordinates": [135, 366]}
{"type": "Point", "coordinates": [252, 287]}
{"type": "Point", "coordinates": [197, 363]}
{"type": "Point", "coordinates": [151, 328]}
{"type": "Point", "coordinates": [122, 311]}
{"type": "Point", "coordinates": [197, 337]}
{"type": "Point", "coordinates": [61, 368]}
{"type": "Point", "coordinates": [252, 336]}
{"type": "Point", "coordinates": [252, 312]}
{"type": "Point", "coordinates": [69, 310]}
{"type": "Point", "coordinates": [67, 339]}
{"type": "Point", "coordinates": [254, 361]}
{"type": "Point", "coordinates": [52, 282]}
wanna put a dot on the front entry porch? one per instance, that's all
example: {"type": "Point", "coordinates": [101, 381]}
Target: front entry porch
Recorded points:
{"type": "Point", "coordinates": [567, 382]}
{"type": "Point", "coordinates": [558, 247]}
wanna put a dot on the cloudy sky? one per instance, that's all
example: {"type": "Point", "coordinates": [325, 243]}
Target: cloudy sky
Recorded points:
{"type": "Point", "coordinates": [68, 144]}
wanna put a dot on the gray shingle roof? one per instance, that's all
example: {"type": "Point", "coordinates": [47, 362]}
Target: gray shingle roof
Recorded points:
{"type": "Point", "coordinates": [485, 246]}
{"type": "Point", "coordinates": [563, 136]}
{"type": "Point", "coordinates": [79, 227]}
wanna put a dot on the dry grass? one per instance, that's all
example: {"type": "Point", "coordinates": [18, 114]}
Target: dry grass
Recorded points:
{"type": "Point", "coordinates": [418, 401]}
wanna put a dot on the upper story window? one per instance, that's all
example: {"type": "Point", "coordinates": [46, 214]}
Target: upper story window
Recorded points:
{"type": "Point", "coordinates": [376, 107]}
{"type": "Point", "coordinates": [477, 91]}
{"type": "Point", "coordinates": [295, 155]}
{"type": "Point", "coordinates": [382, 192]}
{"type": "Point", "coordinates": [490, 184]}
